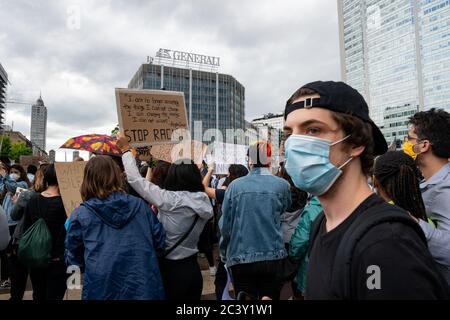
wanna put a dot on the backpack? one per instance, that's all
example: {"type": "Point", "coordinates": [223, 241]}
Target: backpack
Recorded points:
{"type": "Point", "coordinates": [341, 283]}
{"type": "Point", "coordinates": [35, 245]}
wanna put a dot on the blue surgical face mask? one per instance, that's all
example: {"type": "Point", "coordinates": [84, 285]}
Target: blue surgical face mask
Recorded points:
{"type": "Point", "coordinates": [308, 163]}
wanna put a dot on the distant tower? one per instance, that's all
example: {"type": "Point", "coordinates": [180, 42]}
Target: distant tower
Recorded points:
{"type": "Point", "coordinates": [3, 85]}
{"type": "Point", "coordinates": [51, 156]}
{"type": "Point", "coordinates": [39, 123]}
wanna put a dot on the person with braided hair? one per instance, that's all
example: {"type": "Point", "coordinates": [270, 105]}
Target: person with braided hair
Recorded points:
{"type": "Point", "coordinates": [397, 178]}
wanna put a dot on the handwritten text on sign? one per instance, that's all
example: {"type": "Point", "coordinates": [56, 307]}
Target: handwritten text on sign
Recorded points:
{"type": "Point", "coordinates": [70, 178]}
{"type": "Point", "coordinates": [149, 117]}
{"type": "Point", "coordinates": [226, 154]}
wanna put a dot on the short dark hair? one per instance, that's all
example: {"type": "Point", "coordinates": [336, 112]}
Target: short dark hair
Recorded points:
{"type": "Point", "coordinates": [433, 125]}
{"type": "Point", "coordinates": [31, 169]}
{"type": "Point", "coordinates": [235, 171]}
{"type": "Point", "coordinates": [360, 132]}
{"type": "Point", "coordinates": [50, 178]}
{"type": "Point", "coordinates": [102, 176]}
{"type": "Point", "coordinates": [184, 175]}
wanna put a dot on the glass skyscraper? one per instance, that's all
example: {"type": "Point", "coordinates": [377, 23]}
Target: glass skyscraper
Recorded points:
{"type": "Point", "coordinates": [211, 92]}
{"type": "Point", "coordinates": [396, 53]}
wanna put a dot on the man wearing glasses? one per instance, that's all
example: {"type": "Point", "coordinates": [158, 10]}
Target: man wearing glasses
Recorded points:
{"type": "Point", "coordinates": [428, 142]}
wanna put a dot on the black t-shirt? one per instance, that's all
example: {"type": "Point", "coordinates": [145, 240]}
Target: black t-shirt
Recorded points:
{"type": "Point", "coordinates": [389, 262]}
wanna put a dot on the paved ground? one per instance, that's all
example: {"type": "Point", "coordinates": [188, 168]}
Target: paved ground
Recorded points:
{"type": "Point", "coordinates": [208, 286]}
{"type": "Point", "coordinates": [208, 290]}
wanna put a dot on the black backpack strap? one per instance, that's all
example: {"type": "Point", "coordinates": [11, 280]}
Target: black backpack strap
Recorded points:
{"type": "Point", "coordinates": [182, 238]}
{"type": "Point", "coordinates": [382, 213]}
{"type": "Point", "coordinates": [315, 230]}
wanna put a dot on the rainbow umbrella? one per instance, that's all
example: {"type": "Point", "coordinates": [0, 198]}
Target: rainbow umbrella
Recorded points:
{"type": "Point", "coordinates": [95, 143]}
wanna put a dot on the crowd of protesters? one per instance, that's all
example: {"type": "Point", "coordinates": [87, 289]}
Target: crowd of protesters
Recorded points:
{"type": "Point", "coordinates": [343, 218]}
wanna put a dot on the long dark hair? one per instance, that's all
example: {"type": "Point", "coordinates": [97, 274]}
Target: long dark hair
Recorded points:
{"type": "Point", "coordinates": [160, 172]}
{"type": "Point", "coordinates": [398, 176]}
{"type": "Point", "coordinates": [235, 171]}
{"type": "Point", "coordinates": [184, 175]}
{"type": "Point", "coordinates": [299, 197]}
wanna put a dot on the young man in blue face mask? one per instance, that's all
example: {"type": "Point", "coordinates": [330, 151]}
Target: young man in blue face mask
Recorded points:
{"type": "Point", "coordinates": [362, 247]}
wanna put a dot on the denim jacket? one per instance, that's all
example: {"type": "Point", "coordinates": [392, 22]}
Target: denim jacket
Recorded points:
{"type": "Point", "coordinates": [250, 224]}
{"type": "Point", "coordinates": [11, 185]}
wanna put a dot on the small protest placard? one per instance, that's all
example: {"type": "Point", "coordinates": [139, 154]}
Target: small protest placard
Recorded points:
{"type": "Point", "coordinates": [70, 177]}
{"type": "Point", "coordinates": [171, 152]}
{"type": "Point", "coordinates": [226, 154]}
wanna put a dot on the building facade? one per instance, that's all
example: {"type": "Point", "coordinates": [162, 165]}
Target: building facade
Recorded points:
{"type": "Point", "coordinates": [397, 55]}
{"type": "Point", "coordinates": [271, 120]}
{"type": "Point", "coordinates": [215, 99]}
{"type": "Point", "coordinates": [3, 85]}
{"type": "Point", "coordinates": [18, 137]}
{"type": "Point", "coordinates": [270, 127]}
{"type": "Point", "coordinates": [39, 124]}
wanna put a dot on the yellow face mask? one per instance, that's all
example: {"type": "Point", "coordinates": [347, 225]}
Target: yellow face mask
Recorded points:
{"type": "Point", "coordinates": [408, 148]}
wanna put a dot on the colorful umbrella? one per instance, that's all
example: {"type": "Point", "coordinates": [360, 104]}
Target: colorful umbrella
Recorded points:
{"type": "Point", "coordinates": [95, 143]}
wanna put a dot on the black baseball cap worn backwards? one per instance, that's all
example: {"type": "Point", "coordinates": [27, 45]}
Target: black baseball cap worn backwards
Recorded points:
{"type": "Point", "coordinates": [340, 97]}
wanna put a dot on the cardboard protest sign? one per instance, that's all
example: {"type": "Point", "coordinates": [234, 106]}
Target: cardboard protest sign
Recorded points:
{"type": "Point", "coordinates": [70, 177]}
{"type": "Point", "coordinates": [143, 153]}
{"type": "Point", "coordinates": [226, 154]}
{"type": "Point", "coordinates": [149, 117]}
{"type": "Point", "coordinates": [171, 152]}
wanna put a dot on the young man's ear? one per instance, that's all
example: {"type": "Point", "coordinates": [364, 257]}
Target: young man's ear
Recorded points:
{"type": "Point", "coordinates": [357, 151]}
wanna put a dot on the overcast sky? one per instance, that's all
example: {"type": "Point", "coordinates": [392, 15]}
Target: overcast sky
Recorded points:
{"type": "Point", "coordinates": [271, 47]}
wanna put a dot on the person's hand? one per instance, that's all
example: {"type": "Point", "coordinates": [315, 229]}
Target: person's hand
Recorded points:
{"type": "Point", "coordinates": [14, 199]}
{"type": "Point", "coordinates": [122, 142]}
{"type": "Point", "coordinates": [211, 166]}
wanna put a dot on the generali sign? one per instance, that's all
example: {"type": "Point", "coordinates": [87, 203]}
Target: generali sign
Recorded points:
{"type": "Point", "coordinates": [188, 57]}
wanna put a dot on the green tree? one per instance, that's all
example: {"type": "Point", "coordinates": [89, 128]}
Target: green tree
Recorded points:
{"type": "Point", "coordinates": [115, 131]}
{"type": "Point", "coordinates": [5, 145]}
{"type": "Point", "coordinates": [19, 149]}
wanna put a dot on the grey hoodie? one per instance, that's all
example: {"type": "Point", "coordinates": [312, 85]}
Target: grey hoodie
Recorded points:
{"type": "Point", "coordinates": [176, 210]}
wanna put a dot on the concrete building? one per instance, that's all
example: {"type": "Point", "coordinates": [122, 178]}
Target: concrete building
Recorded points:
{"type": "Point", "coordinates": [215, 99]}
{"type": "Point", "coordinates": [39, 123]}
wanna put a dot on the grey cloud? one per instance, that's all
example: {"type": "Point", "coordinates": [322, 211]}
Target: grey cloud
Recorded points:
{"type": "Point", "coordinates": [271, 47]}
